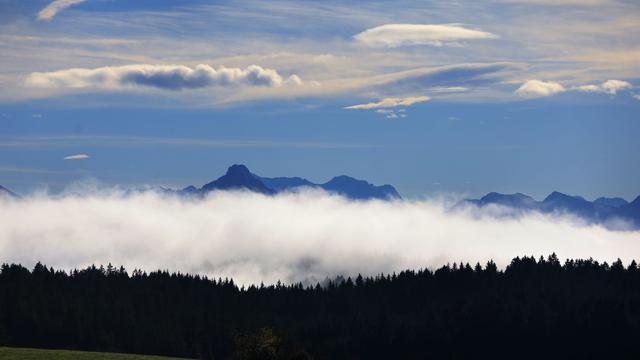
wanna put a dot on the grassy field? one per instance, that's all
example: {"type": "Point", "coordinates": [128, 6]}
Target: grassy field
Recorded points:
{"type": "Point", "coordinates": [37, 354]}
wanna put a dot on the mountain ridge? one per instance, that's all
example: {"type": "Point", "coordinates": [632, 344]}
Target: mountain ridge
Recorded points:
{"type": "Point", "coordinates": [239, 177]}
{"type": "Point", "coordinates": [601, 210]}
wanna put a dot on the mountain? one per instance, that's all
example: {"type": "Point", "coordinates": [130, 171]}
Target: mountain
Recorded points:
{"type": "Point", "coordinates": [286, 183]}
{"type": "Point", "coordinates": [8, 193]}
{"type": "Point", "coordinates": [557, 201]}
{"type": "Point", "coordinates": [237, 177]}
{"type": "Point", "coordinates": [614, 202]}
{"type": "Point", "coordinates": [602, 210]}
{"type": "Point", "coordinates": [359, 189]}
{"type": "Point", "coordinates": [343, 185]}
{"type": "Point", "coordinates": [518, 200]}
{"type": "Point", "coordinates": [632, 211]}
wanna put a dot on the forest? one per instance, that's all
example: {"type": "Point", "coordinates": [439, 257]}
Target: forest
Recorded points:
{"type": "Point", "coordinates": [533, 308]}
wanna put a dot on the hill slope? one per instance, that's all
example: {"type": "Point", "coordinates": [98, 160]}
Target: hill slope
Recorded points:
{"type": "Point", "coordinates": [7, 353]}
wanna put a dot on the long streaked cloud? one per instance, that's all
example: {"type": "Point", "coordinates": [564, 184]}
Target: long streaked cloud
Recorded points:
{"type": "Point", "coordinates": [76, 157]}
{"type": "Point", "coordinates": [391, 102]}
{"type": "Point", "coordinates": [166, 77]}
{"type": "Point", "coordinates": [23, 170]}
{"type": "Point", "coordinates": [395, 35]}
{"type": "Point", "coordinates": [63, 141]}
{"type": "Point", "coordinates": [289, 237]}
{"type": "Point", "coordinates": [55, 7]}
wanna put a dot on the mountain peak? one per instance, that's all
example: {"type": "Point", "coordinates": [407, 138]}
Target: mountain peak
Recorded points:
{"type": "Point", "coordinates": [512, 200]}
{"type": "Point", "coordinates": [238, 177]}
{"type": "Point", "coordinates": [558, 196]}
{"type": "Point", "coordinates": [238, 170]}
{"type": "Point", "coordinates": [345, 179]}
{"type": "Point", "coordinates": [359, 189]}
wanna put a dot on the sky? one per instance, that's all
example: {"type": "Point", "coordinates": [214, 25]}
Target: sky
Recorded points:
{"type": "Point", "coordinates": [435, 98]}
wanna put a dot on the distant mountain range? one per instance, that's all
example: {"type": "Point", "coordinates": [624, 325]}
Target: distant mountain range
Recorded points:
{"type": "Point", "coordinates": [239, 177]}
{"type": "Point", "coordinates": [602, 210]}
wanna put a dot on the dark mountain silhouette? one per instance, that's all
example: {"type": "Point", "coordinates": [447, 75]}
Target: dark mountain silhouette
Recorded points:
{"type": "Point", "coordinates": [6, 192]}
{"type": "Point", "coordinates": [343, 185]}
{"type": "Point", "coordinates": [614, 201]}
{"type": "Point", "coordinates": [513, 200]}
{"type": "Point", "coordinates": [286, 183]}
{"type": "Point", "coordinates": [602, 210]}
{"type": "Point", "coordinates": [359, 189]}
{"type": "Point", "coordinates": [632, 211]}
{"type": "Point", "coordinates": [238, 177]}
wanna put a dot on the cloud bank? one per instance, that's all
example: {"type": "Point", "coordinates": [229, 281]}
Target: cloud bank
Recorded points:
{"type": "Point", "coordinates": [166, 77]}
{"type": "Point", "coordinates": [55, 7]}
{"type": "Point", "coordinates": [539, 88]}
{"type": "Point", "coordinates": [391, 103]}
{"type": "Point", "coordinates": [395, 35]}
{"type": "Point", "coordinates": [610, 87]}
{"type": "Point", "coordinates": [290, 237]}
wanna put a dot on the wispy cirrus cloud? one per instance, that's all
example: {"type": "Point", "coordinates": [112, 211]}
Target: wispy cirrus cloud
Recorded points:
{"type": "Point", "coordinates": [54, 8]}
{"type": "Point", "coordinates": [165, 77]}
{"type": "Point", "coordinates": [395, 35]}
{"type": "Point", "coordinates": [391, 102]}
{"type": "Point", "coordinates": [63, 141]}
{"type": "Point", "coordinates": [76, 157]}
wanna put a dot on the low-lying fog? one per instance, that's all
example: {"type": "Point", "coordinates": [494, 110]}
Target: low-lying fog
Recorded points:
{"type": "Point", "coordinates": [290, 237]}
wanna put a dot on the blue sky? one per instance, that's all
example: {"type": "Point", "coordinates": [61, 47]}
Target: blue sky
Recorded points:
{"type": "Point", "coordinates": [432, 97]}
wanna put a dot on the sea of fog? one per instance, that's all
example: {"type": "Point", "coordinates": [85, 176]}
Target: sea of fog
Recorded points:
{"type": "Point", "coordinates": [304, 236]}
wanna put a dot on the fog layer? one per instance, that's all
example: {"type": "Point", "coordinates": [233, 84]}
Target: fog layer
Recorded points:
{"type": "Point", "coordinates": [290, 237]}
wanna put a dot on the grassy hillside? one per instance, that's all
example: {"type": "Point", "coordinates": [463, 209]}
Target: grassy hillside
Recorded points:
{"type": "Point", "coordinates": [37, 354]}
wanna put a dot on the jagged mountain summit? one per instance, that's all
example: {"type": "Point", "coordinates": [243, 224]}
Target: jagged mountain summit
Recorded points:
{"type": "Point", "coordinates": [601, 210]}
{"type": "Point", "coordinates": [238, 177]}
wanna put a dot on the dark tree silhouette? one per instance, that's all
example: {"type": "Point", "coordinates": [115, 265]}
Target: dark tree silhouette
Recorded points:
{"type": "Point", "coordinates": [535, 308]}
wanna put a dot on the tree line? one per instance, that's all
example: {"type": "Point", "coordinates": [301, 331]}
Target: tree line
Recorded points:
{"type": "Point", "coordinates": [534, 308]}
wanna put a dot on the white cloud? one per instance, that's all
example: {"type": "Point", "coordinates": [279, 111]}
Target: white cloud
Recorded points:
{"type": "Point", "coordinates": [636, 96]}
{"type": "Point", "coordinates": [76, 157]}
{"type": "Point", "coordinates": [538, 88]}
{"type": "Point", "coordinates": [290, 237]}
{"type": "Point", "coordinates": [55, 7]}
{"type": "Point", "coordinates": [167, 77]}
{"type": "Point", "coordinates": [391, 102]}
{"type": "Point", "coordinates": [394, 35]}
{"type": "Point", "coordinates": [392, 114]}
{"type": "Point", "coordinates": [610, 87]}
